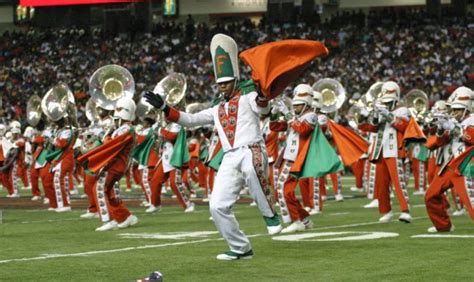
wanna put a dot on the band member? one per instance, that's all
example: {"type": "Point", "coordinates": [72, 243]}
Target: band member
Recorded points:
{"type": "Point", "coordinates": [454, 134]}
{"type": "Point", "coordinates": [14, 160]}
{"type": "Point", "coordinates": [299, 136]}
{"type": "Point", "coordinates": [386, 152]}
{"type": "Point", "coordinates": [109, 162]}
{"type": "Point", "coordinates": [244, 161]}
{"type": "Point", "coordinates": [166, 170]}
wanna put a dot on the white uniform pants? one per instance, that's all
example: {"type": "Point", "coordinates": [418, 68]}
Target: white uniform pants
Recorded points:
{"type": "Point", "coordinates": [238, 167]}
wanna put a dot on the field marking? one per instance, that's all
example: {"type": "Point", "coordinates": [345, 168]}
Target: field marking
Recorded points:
{"type": "Point", "coordinates": [82, 219]}
{"type": "Point", "coordinates": [338, 213]}
{"type": "Point", "coordinates": [49, 256]}
{"type": "Point", "coordinates": [84, 254]}
{"type": "Point", "coordinates": [441, 236]}
{"type": "Point", "coordinates": [361, 235]}
{"type": "Point", "coordinates": [167, 235]}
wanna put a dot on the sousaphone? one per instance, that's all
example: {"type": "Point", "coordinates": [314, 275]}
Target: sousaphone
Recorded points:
{"type": "Point", "coordinates": [172, 88]}
{"type": "Point", "coordinates": [33, 110]}
{"type": "Point", "coordinates": [110, 83]}
{"type": "Point", "coordinates": [416, 101]}
{"type": "Point", "coordinates": [332, 92]}
{"type": "Point", "coordinates": [58, 103]}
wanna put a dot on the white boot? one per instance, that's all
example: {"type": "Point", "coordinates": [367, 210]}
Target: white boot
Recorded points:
{"type": "Point", "coordinates": [339, 198]}
{"type": "Point", "coordinates": [89, 215]}
{"type": "Point", "coordinates": [190, 208]}
{"type": "Point", "coordinates": [130, 221]}
{"type": "Point", "coordinates": [356, 189]}
{"type": "Point", "coordinates": [433, 229]}
{"type": "Point", "coordinates": [63, 209]}
{"type": "Point", "coordinates": [296, 226]}
{"type": "Point", "coordinates": [386, 217]}
{"type": "Point", "coordinates": [273, 230]}
{"type": "Point", "coordinates": [152, 209]}
{"type": "Point", "coordinates": [460, 212]}
{"type": "Point", "coordinates": [372, 205]}
{"type": "Point", "coordinates": [111, 225]}
{"type": "Point", "coordinates": [405, 217]}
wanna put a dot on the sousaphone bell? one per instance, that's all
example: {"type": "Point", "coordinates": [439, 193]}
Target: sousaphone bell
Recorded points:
{"type": "Point", "coordinates": [172, 88]}
{"type": "Point", "coordinates": [33, 110]}
{"type": "Point", "coordinates": [332, 92]}
{"type": "Point", "coordinates": [110, 83]}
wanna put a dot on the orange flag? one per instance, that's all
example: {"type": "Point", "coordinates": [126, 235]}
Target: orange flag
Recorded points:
{"type": "Point", "coordinates": [350, 145]}
{"type": "Point", "coordinates": [275, 65]}
{"type": "Point", "coordinates": [413, 132]}
{"type": "Point", "coordinates": [100, 156]}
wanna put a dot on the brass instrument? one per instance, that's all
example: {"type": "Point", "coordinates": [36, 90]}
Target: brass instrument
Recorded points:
{"type": "Point", "coordinates": [172, 88]}
{"type": "Point", "coordinates": [110, 83]}
{"type": "Point", "coordinates": [144, 109]}
{"type": "Point", "coordinates": [196, 107]}
{"type": "Point", "coordinates": [57, 102]}
{"type": "Point", "coordinates": [91, 111]}
{"type": "Point", "coordinates": [33, 110]}
{"type": "Point", "coordinates": [417, 103]}
{"type": "Point", "coordinates": [375, 91]}
{"type": "Point", "coordinates": [332, 92]}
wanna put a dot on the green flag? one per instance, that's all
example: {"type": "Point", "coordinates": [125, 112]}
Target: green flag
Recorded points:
{"type": "Point", "coordinates": [466, 168]}
{"type": "Point", "coordinates": [142, 151]}
{"type": "Point", "coordinates": [53, 155]}
{"type": "Point", "coordinates": [423, 154]}
{"type": "Point", "coordinates": [321, 158]}
{"type": "Point", "coordinates": [215, 163]}
{"type": "Point", "coordinates": [180, 150]}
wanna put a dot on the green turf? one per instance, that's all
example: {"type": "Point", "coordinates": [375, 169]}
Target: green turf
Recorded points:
{"type": "Point", "coordinates": [27, 233]}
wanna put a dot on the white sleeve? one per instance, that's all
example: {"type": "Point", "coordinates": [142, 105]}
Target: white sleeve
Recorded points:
{"type": "Point", "coordinates": [204, 117]}
{"type": "Point", "coordinates": [252, 96]}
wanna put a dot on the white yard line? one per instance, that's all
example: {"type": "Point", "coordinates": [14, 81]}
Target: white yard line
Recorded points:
{"type": "Point", "coordinates": [91, 253]}
{"type": "Point", "coordinates": [82, 219]}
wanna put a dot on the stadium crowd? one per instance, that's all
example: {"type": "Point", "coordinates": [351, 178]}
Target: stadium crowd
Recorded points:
{"type": "Point", "coordinates": [410, 47]}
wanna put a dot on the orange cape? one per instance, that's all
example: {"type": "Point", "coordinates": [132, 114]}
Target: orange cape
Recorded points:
{"type": "Point", "coordinates": [413, 132]}
{"type": "Point", "coordinates": [275, 65]}
{"type": "Point", "coordinates": [100, 156]}
{"type": "Point", "coordinates": [350, 145]}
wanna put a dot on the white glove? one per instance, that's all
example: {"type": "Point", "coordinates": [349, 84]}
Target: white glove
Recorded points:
{"type": "Point", "coordinates": [283, 108]}
{"type": "Point", "coordinates": [447, 124]}
{"type": "Point", "coordinates": [383, 111]}
{"type": "Point", "coordinates": [364, 112]}
{"type": "Point", "coordinates": [275, 109]}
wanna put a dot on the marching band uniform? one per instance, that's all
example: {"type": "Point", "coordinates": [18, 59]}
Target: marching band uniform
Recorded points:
{"type": "Point", "coordinates": [14, 161]}
{"type": "Point", "coordinates": [387, 156]}
{"type": "Point", "coordinates": [299, 136]}
{"type": "Point", "coordinates": [62, 165]}
{"type": "Point", "coordinates": [454, 135]}
{"type": "Point", "coordinates": [165, 170]}
{"type": "Point", "coordinates": [109, 162]}
{"type": "Point", "coordinates": [244, 159]}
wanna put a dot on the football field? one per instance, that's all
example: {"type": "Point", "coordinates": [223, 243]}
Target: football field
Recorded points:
{"type": "Point", "coordinates": [347, 243]}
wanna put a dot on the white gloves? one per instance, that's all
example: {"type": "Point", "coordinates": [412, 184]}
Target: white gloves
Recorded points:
{"type": "Point", "coordinates": [447, 124]}
{"type": "Point", "coordinates": [383, 111]}
{"type": "Point", "coordinates": [364, 112]}
{"type": "Point", "coordinates": [280, 107]}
